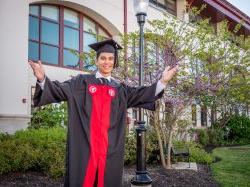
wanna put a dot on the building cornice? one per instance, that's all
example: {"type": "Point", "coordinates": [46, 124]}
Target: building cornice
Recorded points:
{"type": "Point", "coordinates": [231, 11]}
{"type": "Point", "coordinates": [15, 116]}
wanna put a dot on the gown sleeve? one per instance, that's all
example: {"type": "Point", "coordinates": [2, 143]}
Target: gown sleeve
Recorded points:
{"type": "Point", "coordinates": [143, 96]}
{"type": "Point", "coordinates": [53, 92]}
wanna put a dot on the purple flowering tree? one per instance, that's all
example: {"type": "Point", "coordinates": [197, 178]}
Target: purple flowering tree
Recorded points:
{"type": "Point", "coordinates": [212, 70]}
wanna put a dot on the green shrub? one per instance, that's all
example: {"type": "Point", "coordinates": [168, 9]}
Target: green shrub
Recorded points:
{"type": "Point", "coordinates": [44, 150]}
{"type": "Point", "coordinates": [197, 153]}
{"type": "Point", "coordinates": [203, 136]}
{"type": "Point", "coordinates": [236, 131]}
{"type": "Point", "coordinates": [238, 128]}
{"type": "Point", "coordinates": [52, 115]}
{"type": "Point", "coordinates": [130, 149]}
{"type": "Point", "coordinates": [152, 148]}
{"type": "Point", "coordinates": [34, 149]}
{"type": "Point", "coordinates": [216, 136]}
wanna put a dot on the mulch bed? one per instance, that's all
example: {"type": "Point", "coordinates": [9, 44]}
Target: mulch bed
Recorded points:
{"type": "Point", "coordinates": [29, 179]}
{"type": "Point", "coordinates": [160, 177]}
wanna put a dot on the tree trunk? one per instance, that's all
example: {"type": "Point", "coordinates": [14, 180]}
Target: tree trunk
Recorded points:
{"type": "Point", "coordinates": [157, 126]}
{"type": "Point", "coordinates": [170, 134]}
{"type": "Point", "coordinates": [162, 156]}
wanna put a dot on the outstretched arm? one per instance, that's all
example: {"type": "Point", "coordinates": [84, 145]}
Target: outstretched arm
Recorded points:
{"type": "Point", "coordinates": [145, 96]}
{"type": "Point", "coordinates": [168, 74]}
{"type": "Point", "coordinates": [38, 70]}
{"type": "Point", "coordinates": [50, 91]}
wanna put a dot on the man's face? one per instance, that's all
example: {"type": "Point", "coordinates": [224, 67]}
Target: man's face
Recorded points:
{"type": "Point", "coordinates": [105, 63]}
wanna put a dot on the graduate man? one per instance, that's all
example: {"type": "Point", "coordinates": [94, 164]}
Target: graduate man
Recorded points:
{"type": "Point", "coordinates": [97, 106]}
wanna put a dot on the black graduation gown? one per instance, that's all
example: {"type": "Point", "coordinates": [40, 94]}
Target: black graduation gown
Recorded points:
{"type": "Point", "coordinates": [96, 125]}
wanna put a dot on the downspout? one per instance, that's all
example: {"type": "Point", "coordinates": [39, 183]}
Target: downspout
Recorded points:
{"type": "Point", "coordinates": [125, 31]}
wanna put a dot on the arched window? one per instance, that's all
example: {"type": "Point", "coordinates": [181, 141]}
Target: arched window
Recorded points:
{"type": "Point", "coordinates": [56, 31]}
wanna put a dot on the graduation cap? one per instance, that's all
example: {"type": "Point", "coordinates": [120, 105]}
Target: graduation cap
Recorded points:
{"type": "Point", "coordinates": [108, 46]}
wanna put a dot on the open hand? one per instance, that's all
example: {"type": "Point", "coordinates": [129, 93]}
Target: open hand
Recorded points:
{"type": "Point", "coordinates": [38, 70]}
{"type": "Point", "coordinates": [168, 74]}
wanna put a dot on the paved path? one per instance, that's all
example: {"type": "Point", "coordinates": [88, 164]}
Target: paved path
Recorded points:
{"type": "Point", "coordinates": [185, 165]}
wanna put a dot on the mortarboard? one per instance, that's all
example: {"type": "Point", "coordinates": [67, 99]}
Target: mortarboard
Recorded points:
{"type": "Point", "coordinates": [108, 46]}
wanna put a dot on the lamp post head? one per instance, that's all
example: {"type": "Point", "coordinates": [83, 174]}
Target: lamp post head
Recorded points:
{"type": "Point", "coordinates": [141, 7]}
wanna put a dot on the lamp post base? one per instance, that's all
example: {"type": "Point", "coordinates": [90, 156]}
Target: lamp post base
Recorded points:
{"type": "Point", "coordinates": [146, 185]}
{"type": "Point", "coordinates": [141, 179]}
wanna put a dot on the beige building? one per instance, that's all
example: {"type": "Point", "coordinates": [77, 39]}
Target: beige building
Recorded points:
{"type": "Point", "coordinates": [47, 30]}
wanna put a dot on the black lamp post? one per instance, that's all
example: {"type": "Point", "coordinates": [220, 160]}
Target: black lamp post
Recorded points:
{"type": "Point", "coordinates": [141, 177]}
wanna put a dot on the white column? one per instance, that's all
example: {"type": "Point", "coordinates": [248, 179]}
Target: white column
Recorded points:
{"type": "Point", "coordinates": [198, 115]}
{"type": "Point", "coordinates": [14, 87]}
{"type": "Point", "coordinates": [181, 9]}
{"type": "Point", "coordinates": [209, 115]}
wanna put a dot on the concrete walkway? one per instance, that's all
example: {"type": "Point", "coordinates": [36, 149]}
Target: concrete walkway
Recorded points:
{"type": "Point", "coordinates": [185, 165]}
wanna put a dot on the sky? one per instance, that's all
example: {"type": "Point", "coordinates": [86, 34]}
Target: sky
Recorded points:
{"type": "Point", "coordinates": [243, 5]}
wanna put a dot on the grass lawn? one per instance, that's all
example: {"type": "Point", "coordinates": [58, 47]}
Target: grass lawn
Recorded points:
{"type": "Point", "coordinates": [234, 167]}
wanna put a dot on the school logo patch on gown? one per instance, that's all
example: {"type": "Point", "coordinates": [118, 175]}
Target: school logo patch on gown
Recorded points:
{"type": "Point", "coordinates": [92, 89]}
{"type": "Point", "coordinates": [111, 92]}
